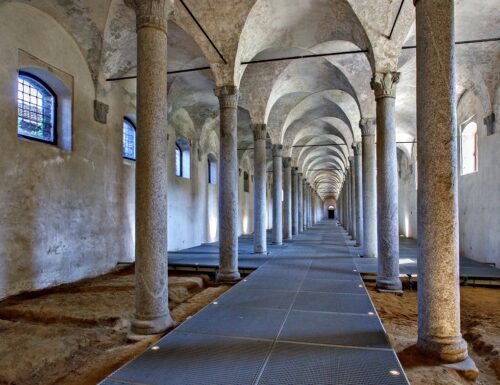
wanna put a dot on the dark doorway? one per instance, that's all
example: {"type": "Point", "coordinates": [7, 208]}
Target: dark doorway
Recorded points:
{"type": "Point", "coordinates": [331, 213]}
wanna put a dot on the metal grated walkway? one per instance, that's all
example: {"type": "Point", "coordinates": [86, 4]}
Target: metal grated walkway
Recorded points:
{"type": "Point", "coordinates": [303, 317]}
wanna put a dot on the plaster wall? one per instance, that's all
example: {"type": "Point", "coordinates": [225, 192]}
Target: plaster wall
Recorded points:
{"type": "Point", "coordinates": [62, 214]}
{"type": "Point", "coordinates": [407, 195]}
{"type": "Point", "coordinates": [479, 198]}
{"type": "Point", "coordinates": [245, 200]}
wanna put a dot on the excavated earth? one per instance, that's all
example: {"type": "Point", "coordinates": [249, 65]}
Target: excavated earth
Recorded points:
{"type": "Point", "coordinates": [480, 321]}
{"type": "Point", "coordinates": [77, 334]}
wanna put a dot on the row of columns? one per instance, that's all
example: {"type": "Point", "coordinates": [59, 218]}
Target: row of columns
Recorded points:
{"type": "Point", "coordinates": [439, 332]}
{"type": "Point", "coordinates": [438, 291]}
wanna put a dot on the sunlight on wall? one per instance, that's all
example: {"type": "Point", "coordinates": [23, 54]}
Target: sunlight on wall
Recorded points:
{"type": "Point", "coordinates": [407, 225]}
{"type": "Point", "coordinates": [212, 227]}
{"type": "Point", "coordinates": [245, 223]}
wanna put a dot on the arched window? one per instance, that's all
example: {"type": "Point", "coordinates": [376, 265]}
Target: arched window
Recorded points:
{"type": "Point", "coordinates": [468, 148]}
{"type": "Point", "coordinates": [129, 145]}
{"type": "Point", "coordinates": [182, 158]}
{"type": "Point", "coordinates": [212, 169]}
{"type": "Point", "coordinates": [36, 117]}
{"type": "Point", "coordinates": [246, 182]}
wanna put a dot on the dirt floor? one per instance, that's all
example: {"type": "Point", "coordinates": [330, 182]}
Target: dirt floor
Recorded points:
{"type": "Point", "coordinates": [77, 334]}
{"type": "Point", "coordinates": [480, 317]}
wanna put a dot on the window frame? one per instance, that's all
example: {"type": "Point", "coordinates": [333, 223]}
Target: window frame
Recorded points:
{"type": "Point", "coordinates": [130, 122]}
{"type": "Point", "coordinates": [475, 155]}
{"type": "Point", "coordinates": [178, 148]}
{"type": "Point", "coordinates": [212, 179]}
{"type": "Point", "coordinates": [54, 111]}
{"type": "Point", "coordinates": [246, 181]}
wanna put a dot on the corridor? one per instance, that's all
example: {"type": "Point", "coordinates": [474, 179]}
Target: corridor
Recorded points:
{"type": "Point", "coordinates": [303, 317]}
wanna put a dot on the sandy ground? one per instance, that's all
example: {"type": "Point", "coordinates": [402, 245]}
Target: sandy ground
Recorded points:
{"type": "Point", "coordinates": [76, 334]}
{"type": "Point", "coordinates": [480, 317]}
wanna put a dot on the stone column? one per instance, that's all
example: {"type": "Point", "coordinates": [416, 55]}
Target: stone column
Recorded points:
{"type": "Point", "coordinates": [300, 199]}
{"type": "Point", "coordinates": [310, 206]}
{"type": "Point", "coordinates": [384, 85]}
{"type": "Point", "coordinates": [358, 193]}
{"type": "Point", "coordinates": [277, 150]}
{"type": "Point", "coordinates": [349, 202]}
{"type": "Point", "coordinates": [437, 205]}
{"type": "Point", "coordinates": [352, 185]}
{"type": "Point", "coordinates": [151, 315]}
{"type": "Point", "coordinates": [344, 208]}
{"type": "Point", "coordinates": [260, 177]}
{"type": "Point", "coordinates": [228, 184]}
{"type": "Point", "coordinates": [287, 198]}
{"type": "Point", "coordinates": [304, 203]}
{"type": "Point", "coordinates": [295, 201]}
{"type": "Point", "coordinates": [369, 188]}
{"type": "Point", "coordinates": [307, 196]}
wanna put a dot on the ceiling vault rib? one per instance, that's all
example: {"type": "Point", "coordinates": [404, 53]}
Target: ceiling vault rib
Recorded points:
{"type": "Point", "coordinates": [203, 30]}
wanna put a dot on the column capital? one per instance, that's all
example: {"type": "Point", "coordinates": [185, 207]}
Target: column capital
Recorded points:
{"type": "Point", "coordinates": [259, 131]}
{"type": "Point", "coordinates": [384, 84]}
{"type": "Point", "coordinates": [367, 126]}
{"type": "Point", "coordinates": [299, 174]}
{"type": "Point", "coordinates": [357, 148]}
{"type": "Point", "coordinates": [277, 150]}
{"type": "Point", "coordinates": [228, 96]}
{"type": "Point", "coordinates": [295, 170]}
{"type": "Point", "coordinates": [152, 13]}
{"type": "Point", "coordinates": [287, 162]}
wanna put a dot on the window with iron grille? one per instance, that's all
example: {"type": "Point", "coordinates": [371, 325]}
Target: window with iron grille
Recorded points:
{"type": "Point", "coordinates": [36, 117]}
{"type": "Point", "coordinates": [129, 146]}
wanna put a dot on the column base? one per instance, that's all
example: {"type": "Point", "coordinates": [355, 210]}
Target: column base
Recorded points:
{"type": "Point", "coordinates": [232, 276]}
{"type": "Point", "coordinates": [447, 349]}
{"type": "Point", "coordinates": [157, 325]}
{"type": "Point", "coordinates": [261, 252]}
{"type": "Point", "coordinates": [386, 285]}
{"type": "Point", "coordinates": [466, 368]}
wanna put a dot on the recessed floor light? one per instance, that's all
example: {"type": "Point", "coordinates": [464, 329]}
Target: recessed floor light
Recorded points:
{"type": "Point", "coordinates": [371, 313]}
{"type": "Point", "coordinates": [155, 348]}
{"type": "Point", "coordinates": [215, 303]}
{"type": "Point", "coordinates": [394, 372]}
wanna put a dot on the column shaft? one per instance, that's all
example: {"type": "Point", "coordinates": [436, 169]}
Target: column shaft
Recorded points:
{"type": "Point", "coordinates": [228, 184]}
{"type": "Point", "coordinates": [295, 202]}
{"type": "Point", "coordinates": [350, 228]}
{"type": "Point", "coordinates": [277, 194]}
{"type": "Point", "coordinates": [387, 182]}
{"type": "Point", "coordinates": [437, 202]}
{"type": "Point", "coordinates": [300, 185]}
{"type": "Point", "coordinates": [369, 189]}
{"type": "Point", "coordinates": [151, 314]}
{"type": "Point", "coordinates": [260, 177]}
{"type": "Point", "coordinates": [353, 199]}
{"type": "Point", "coordinates": [287, 198]}
{"type": "Point", "coordinates": [358, 180]}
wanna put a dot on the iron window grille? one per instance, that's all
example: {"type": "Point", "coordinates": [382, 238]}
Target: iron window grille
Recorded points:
{"type": "Point", "coordinates": [37, 103]}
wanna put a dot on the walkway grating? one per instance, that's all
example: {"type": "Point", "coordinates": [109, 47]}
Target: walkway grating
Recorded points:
{"type": "Point", "coordinates": [303, 317]}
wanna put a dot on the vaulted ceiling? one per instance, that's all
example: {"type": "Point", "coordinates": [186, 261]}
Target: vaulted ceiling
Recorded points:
{"type": "Point", "coordinates": [312, 105]}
